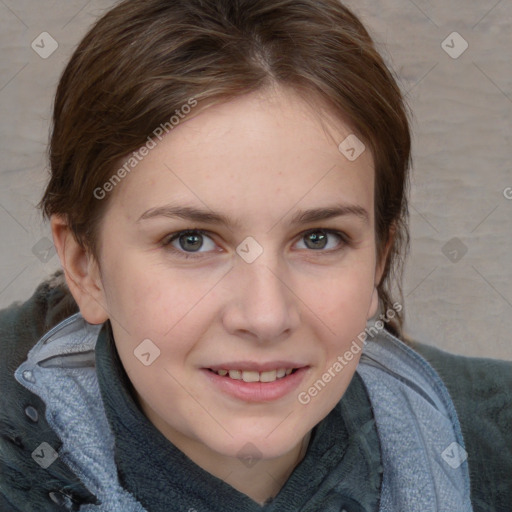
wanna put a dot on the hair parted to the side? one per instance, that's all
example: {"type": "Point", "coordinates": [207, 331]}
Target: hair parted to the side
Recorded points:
{"type": "Point", "coordinates": [145, 59]}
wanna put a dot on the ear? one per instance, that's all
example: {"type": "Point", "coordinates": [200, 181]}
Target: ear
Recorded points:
{"type": "Point", "coordinates": [82, 272]}
{"type": "Point", "coordinates": [379, 271]}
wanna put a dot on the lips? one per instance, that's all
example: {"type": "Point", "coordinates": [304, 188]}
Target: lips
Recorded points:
{"type": "Point", "coordinates": [253, 382]}
{"type": "Point", "coordinates": [256, 367]}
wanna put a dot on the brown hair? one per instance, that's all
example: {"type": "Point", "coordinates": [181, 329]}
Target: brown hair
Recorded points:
{"type": "Point", "coordinates": [145, 59]}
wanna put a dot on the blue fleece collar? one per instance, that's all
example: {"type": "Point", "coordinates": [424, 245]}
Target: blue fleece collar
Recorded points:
{"type": "Point", "coordinates": [425, 462]}
{"type": "Point", "coordinates": [422, 446]}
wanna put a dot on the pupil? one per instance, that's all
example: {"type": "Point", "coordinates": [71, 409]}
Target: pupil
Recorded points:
{"type": "Point", "coordinates": [195, 241]}
{"type": "Point", "coordinates": [318, 236]}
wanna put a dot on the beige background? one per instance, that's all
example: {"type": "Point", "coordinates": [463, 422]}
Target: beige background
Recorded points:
{"type": "Point", "coordinates": [462, 156]}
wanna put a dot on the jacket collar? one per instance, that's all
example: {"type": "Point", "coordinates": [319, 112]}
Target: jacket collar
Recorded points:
{"type": "Point", "coordinates": [341, 468]}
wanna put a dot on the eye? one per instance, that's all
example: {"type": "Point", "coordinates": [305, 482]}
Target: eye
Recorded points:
{"type": "Point", "coordinates": [187, 244]}
{"type": "Point", "coordinates": [190, 241]}
{"type": "Point", "coordinates": [318, 239]}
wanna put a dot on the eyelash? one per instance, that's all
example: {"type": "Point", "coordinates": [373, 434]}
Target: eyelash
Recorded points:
{"type": "Point", "coordinates": [166, 243]}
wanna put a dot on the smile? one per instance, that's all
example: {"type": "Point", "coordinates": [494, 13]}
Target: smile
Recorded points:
{"type": "Point", "coordinates": [254, 376]}
{"type": "Point", "coordinates": [251, 382]}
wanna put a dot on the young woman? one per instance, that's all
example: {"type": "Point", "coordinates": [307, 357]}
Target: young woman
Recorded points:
{"type": "Point", "coordinates": [228, 199]}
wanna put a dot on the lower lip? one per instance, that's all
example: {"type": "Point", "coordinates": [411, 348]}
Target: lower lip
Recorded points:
{"type": "Point", "coordinates": [257, 391]}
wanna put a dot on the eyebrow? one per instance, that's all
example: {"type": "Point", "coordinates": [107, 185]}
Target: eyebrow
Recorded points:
{"type": "Point", "coordinates": [210, 217]}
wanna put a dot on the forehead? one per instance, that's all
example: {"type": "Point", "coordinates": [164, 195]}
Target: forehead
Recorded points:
{"type": "Point", "coordinates": [258, 154]}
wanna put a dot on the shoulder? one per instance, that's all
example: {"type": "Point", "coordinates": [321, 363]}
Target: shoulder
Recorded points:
{"type": "Point", "coordinates": [23, 324]}
{"type": "Point", "coordinates": [481, 390]}
{"type": "Point", "coordinates": [50, 303]}
{"type": "Point", "coordinates": [24, 485]}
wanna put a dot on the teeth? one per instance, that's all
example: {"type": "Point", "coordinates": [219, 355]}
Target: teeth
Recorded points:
{"type": "Point", "coordinates": [235, 374]}
{"type": "Point", "coordinates": [268, 376]}
{"type": "Point", "coordinates": [250, 376]}
{"type": "Point", "coordinates": [253, 376]}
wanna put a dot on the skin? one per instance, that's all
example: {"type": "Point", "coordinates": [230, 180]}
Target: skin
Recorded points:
{"type": "Point", "coordinates": [257, 159]}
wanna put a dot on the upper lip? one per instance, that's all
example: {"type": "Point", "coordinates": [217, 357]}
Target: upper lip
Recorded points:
{"type": "Point", "coordinates": [256, 367]}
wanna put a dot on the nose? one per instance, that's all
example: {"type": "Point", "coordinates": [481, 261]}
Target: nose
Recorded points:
{"type": "Point", "coordinates": [262, 306]}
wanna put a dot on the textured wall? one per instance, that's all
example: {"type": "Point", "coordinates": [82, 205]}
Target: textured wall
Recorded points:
{"type": "Point", "coordinates": [461, 198]}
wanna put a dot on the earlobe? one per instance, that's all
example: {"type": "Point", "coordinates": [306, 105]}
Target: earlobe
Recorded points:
{"type": "Point", "coordinates": [81, 271]}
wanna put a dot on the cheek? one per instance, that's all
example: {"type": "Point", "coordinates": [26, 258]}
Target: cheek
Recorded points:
{"type": "Point", "coordinates": [168, 306]}
{"type": "Point", "coordinates": [343, 307]}
{"type": "Point", "coordinates": [144, 295]}
{"type": "Point", "coordinates": [347, 294]}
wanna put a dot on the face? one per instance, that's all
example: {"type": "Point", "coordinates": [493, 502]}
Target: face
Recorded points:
{"type": "Point", "coordinates": [243, 243]}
